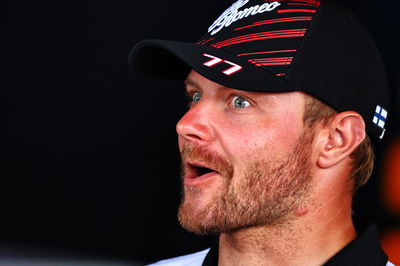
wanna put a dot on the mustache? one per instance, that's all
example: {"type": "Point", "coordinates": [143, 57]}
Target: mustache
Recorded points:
{"type": "Point", "coordinates": [193, 152]}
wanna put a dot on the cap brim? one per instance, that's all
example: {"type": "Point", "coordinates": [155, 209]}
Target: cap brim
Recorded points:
{"type": "Point", "coordinates": [174, 60]}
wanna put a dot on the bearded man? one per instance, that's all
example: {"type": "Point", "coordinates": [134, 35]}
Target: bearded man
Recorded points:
{"type": "Point", "coordinates": [286, 98]}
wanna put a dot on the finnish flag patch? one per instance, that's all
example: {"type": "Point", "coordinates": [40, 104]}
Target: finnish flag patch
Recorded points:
{"type": "Point", "coordinates": [380, 116]}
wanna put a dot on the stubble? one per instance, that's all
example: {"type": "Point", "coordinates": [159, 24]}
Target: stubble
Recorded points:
{"type": "Point", "coordinates": [266, 193]}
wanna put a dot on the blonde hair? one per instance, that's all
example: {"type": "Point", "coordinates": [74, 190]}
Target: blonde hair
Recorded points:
{"type": "Point", "coordinates": [316, 112]}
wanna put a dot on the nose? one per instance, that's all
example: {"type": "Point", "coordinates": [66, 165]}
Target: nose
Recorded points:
{"type": "Point", "coordinates": [195, 125]}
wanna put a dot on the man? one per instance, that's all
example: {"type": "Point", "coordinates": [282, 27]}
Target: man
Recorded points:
{"type": "Point", "coordinates": [285, 98]}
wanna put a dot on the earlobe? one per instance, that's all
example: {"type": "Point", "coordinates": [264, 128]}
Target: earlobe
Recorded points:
{"type": "Point", "coordinates": [343, 135]}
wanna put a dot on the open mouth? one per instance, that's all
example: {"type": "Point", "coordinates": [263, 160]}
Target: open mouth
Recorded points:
{"type": "Point", "coordinates": [199, 170]}
{"type": "Point", "coordinates": [198, 175]}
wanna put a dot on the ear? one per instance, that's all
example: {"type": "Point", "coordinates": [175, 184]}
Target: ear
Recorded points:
{"type": "Point", "coordinates": [341, 137]}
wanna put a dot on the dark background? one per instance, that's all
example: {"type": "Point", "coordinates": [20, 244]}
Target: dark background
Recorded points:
{"type": "Point", "coordinates": [89, 160]}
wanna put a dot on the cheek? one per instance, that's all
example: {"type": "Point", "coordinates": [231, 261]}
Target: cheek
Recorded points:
{"type": "Point", "coordinates": [265, 138]}
{"type": "Point", "coordinates": [180, 142]}
{"type": "Point", "coordinates": [289, 129]}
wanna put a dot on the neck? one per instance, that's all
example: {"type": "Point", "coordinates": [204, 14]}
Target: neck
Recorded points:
{"type": "Point", "coordinates": [302, 240]}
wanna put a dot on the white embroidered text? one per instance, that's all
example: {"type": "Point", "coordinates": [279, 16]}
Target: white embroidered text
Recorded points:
{"type": "Point", "coordinates": [233, 14]}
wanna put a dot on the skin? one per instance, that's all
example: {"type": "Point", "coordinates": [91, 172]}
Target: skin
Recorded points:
{"type": "Point", "coordinates": [315, 224]}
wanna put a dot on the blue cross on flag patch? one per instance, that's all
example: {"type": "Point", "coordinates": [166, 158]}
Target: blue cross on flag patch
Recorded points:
{"type": "Point", "coordinates": [380, 116]}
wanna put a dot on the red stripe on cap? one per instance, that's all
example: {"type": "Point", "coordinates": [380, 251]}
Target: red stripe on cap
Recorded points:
{"type": "Point", "coordinates": [271, 59]}
{"type": "Point", "coordinates": [283, 19]}
{"type": "Point", "coordinates": [265, 33]}
{"type": "Point", "coordinates": [280, 74]}
{"type": "Point", "coordinates": [261, 36]}
{"type": "Point", "coordinates": [274, 63]}
{"type": "Point", "coordinates": [283, 61]}
{"type": "Point", "coordinates": [271, 21]}
{"type": "Point", "coordinates": [297, 10]}
{"type": "Point", "coordinates": [205, 41]}
{"type": "Point", "coordinates": [302, 4]}
{"type": "Point", "coordinates": [268, 52]}
{"type": "Point", "coordinates": [312, 2]}
{"type": "Point", "coordinates": [315, 2]}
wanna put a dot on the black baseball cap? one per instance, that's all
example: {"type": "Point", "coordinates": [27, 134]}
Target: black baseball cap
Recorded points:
{"type": "Point", "coordinates": [318, 47]}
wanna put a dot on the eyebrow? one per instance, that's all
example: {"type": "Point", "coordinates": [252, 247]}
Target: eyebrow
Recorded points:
{"type": "Point", "coordinates": [192, 83]}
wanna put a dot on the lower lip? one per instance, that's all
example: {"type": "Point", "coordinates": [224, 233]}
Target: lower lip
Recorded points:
{"type": "Point", "coordinates": [191, 180]}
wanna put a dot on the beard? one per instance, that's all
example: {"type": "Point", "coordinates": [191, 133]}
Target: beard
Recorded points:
{"type": "Point", "coordinates": [265, 194]}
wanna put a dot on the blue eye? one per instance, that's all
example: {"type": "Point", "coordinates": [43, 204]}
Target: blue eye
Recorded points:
{"type": "Point", "coordinates": [240, 102]}
{"type": "Point", "coordinates": [196, 97]}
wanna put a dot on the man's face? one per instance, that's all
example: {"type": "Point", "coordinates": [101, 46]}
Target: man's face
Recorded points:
{"type": "Point", "coordinates": [245, 157]}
